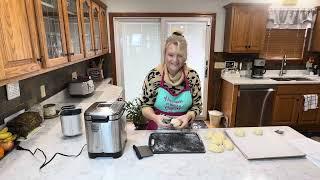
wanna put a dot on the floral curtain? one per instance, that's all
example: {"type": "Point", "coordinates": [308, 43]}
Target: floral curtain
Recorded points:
{"type": "Point", "coordinates": [291, 18]}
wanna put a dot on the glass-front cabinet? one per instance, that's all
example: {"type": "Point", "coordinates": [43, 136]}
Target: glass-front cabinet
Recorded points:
{"type": "Point", "coordinates": [51, 32]}
{"type": "Point", "coordinates": [96, 28]}
{"type": "Point", "coordinates": [87, 28]}
{"type": "Point", "coordinates": [104, 33]}
{"type": "Point", "coordinates": [72, 21]}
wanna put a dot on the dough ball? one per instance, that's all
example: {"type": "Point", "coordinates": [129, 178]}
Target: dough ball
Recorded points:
{"type": "Point", "coordinates": [258, 131]}
{"type": "Point", "coordinates": [228, 145]}
{"type": "Point", "coordinates": [239, 133]}
{"type": "Point", "coordinates": [175, 122]}
{"type": "Point", "coordinates": [216, 140]}
{"type": "Point", "coordinates": [209, 135]}
{"type": "Point", "coordinates": [215, 148]}
{"type": "Point", "coordinates": [220, 135]}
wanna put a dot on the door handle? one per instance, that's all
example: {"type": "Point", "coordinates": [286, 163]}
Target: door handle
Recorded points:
{"type": "Point", "coordinates": [206, 70]}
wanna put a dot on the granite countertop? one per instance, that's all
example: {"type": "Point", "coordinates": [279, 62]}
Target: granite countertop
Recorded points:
{"type": "Point", "coordinates": [274, 73]}
{"type": "Point", "coordinates": [228, 165]}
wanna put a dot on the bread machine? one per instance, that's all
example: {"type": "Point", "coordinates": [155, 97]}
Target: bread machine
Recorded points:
{"type": "Point", "coordinates": [105, 125]}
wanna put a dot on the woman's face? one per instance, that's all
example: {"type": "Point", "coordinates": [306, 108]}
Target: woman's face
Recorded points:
{"type": "Point", "coordinates": [174, 59]}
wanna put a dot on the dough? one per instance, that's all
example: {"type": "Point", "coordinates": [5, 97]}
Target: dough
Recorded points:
{"type": "Point", "coordinates": [217, 140]}
{"type": "Point", "coordinates": [227, 144]}
{"type": "Point", "coordinates": [220, 135]}
{"type": "Point", "coordinates": [209, 135]}
{"type": "Point", "coordinates": [258, 131]}
{"type": "Point", "coordinates": [239, 133]}
{"type": "Point", "coordinates": [175, 122]}
{"type": "Point", "coordinates": [215, 148]}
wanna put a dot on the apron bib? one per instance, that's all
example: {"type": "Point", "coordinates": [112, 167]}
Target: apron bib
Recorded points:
{"type": "Point", "coordinates": [171, 104]}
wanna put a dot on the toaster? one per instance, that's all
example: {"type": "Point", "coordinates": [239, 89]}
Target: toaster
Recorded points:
{"type": "Point", "coordinates": [81, 87]}
{"type": "Point", "coordinates": [105, 126]}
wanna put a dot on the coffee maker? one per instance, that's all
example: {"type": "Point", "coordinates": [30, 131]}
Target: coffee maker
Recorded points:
{"type": "Point", "coordinates": [258, 68]}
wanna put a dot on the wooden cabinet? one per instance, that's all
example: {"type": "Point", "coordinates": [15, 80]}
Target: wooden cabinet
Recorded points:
{"type": "Point", "coordinates": [96, 19]}
{"type": "Point", "coordinates": [104, 32]}
{"type": "Point", "coordinates": [87, 27]}
{"type": "Point", "coordinates": [19, 48]}
{"type": "Point", "coordinates": [245, 27]}
{"type": "Point", "coordinates": [51, 32]}
{"type": "Point", "coordinates": [315, 45]}
{"type": "Point", "coordinates": [285, 109]}
{"type": "Point", "coordinates": [289, 106]}
{"type": "Point", "coordinates": [72, 22]}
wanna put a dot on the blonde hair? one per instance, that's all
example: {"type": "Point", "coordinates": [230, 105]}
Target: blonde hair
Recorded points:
{"type": "Point", "coordinates": [177, 39]}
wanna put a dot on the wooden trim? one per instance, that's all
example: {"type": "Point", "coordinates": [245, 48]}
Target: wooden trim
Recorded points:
{"type": "Point", "coordinates": [246, 4]}
{"type": "Point", "coordinates": [133, 14]}
{"type": "Point", "coordinates": [42, 71]}
{"type": "Point", "coordinates": [33, 28]}
{"type": "Point", "coordinates": [89, 53]}
{"type": "Point", "coordinates": [95, 6]}
{"type": "Point", "coordinates": [104, 30]}
{"type": "Point", "coordinates": [100, 3]}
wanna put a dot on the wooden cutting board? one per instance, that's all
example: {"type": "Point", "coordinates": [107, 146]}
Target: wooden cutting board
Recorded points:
{"type": "Point", "coordinates": [269, 145]}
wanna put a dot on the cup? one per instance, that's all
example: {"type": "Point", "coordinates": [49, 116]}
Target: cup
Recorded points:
{"type": "Point", "coordinates": [49, 110]}
{"type": "Point", "coordinates": [215, 118]}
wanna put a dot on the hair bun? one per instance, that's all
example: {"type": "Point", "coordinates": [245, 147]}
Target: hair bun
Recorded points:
{"type": "Point", "coordinates": [177, 33]}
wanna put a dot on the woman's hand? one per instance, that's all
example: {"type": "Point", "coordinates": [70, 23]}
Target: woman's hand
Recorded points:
{"type": "Point", "coordinates": [159, 122]}
{"type": "Point", "coordinates": [185, 119]}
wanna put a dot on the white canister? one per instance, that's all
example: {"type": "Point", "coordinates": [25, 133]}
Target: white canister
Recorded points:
{"type": "Point", "coordinates": [71, 122]}
{"type": "Point", "coordinates": [49, 110]}
{"type": "Point", "coordinates": [215, 118]}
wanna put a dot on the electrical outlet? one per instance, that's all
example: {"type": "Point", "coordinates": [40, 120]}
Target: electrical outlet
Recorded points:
{"type": "Point", "coordinates": [13, 90]}
{"type": "Point", "coordinates": [43, 91]}
{"type": "Point", "coordinates": [74, 75]}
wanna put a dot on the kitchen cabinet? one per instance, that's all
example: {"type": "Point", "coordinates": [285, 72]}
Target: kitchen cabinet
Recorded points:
{"type": "Point", "coordinates": [19, 43]}
{"type": "Point", "coordinates": [285, 109]}
{"type": "Point", "coordinates": [51, 32]}
{"type": "Point", "coordinates": [87, 29]}
{"type": "Point", "coordinates": [96, 19]}
{"type": "Point", "coordinates": [315, 45]}
{"type": "Point", "coordinates": [245, 27]}
{"type": "Point", "coordinates": [72, 22]}
{"type": "Point", "coordinates": [104, 32]}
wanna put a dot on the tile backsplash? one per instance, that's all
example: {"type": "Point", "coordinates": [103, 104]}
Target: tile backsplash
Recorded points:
{"type": "Point", "coordinates": [54, 82]}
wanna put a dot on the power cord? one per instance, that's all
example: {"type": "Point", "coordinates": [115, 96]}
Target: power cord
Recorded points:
{"type": "Point", "coordinates": [45, 157]}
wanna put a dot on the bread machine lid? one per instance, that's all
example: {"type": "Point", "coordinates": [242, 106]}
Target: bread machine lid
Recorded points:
{"type": "Point", "coordinates": [105, 111]}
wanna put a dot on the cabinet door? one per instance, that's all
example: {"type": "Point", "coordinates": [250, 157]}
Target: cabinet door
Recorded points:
{"type": "Point", "coordinates": [96, 28]}
{"type": "Point", "coordinates": [104, 32]}
{"type": "Point", "coordinates": [308, 117]}
{"type": "Point", "coordinates": [241, 25]}
{"type": "Point", "coordinates": [72, 20]}
{"type": "Point", "coordinates": [87, 28]}
{"type": "Point", "coordinates": [257, 29]}
{"type": "Point", "coordinates": [285, 110]}
{"type": "Point", "coordinates": [51, 31]}
{"type": "Point", "coordinates": [315, 46]}
{"type": "Point", "coordinates": [19, 48]}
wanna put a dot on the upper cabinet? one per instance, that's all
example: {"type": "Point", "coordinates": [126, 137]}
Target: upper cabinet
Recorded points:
{"type": "Point", "coordinates": [245, 27]}
{"type": "Point", "coordinates": [96, 17]}
{"type": "Point", "coordinates": [72, 21]}
{"type": "Point", "coordinates": [87, 28]}
{"type": "Point", "coordinates": [104, 32]}
{"type": "Point", "coordinates": [19, 48]}
{"type": "Point", "coordinates": [315, 45]}
{"type": "Point", "coordinates": [52, 32]}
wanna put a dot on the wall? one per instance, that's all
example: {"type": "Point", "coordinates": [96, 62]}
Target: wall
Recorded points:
{"type": "Point", "coordinates": [199, 6]}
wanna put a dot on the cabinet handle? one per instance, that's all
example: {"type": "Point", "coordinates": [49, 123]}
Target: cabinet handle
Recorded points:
{"type": "Point", "coordinates": [246, 47]}
{"type": "Point", "coordinates": [39, 59]}
{"type": "Point", "coordinates": [71, 54]}
{"type": "Point", "coordinates": [249, 46]}
{"type": "Point", "coordinates": [95, 49]}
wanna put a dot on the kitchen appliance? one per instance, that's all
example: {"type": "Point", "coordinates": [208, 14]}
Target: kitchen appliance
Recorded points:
{"type": "Point", "coordinates": [105, 126]}
{"type": "Point", "coordinates": [258, 68]}
{"type": "Point", "coordinates": [255, 104]}
{"type": "Point", "coordinates": [81, 87]}
{"type": "Point", "coordinates": [71, 123]}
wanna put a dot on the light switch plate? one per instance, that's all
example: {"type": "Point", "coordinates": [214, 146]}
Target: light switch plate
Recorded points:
{"type": "Point", "coordinates": [43, 91]}
{"type": "Point", "coordinates": [74, 75]}
{"type": "Point", "coordinates": [13, 90]}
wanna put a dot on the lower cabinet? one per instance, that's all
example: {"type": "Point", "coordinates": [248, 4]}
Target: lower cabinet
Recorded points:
{"type": "Point", "coordinates": [285, 109]}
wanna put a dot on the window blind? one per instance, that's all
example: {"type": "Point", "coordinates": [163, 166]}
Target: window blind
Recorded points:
{"type": "Point", "coordinates": [284, 41]}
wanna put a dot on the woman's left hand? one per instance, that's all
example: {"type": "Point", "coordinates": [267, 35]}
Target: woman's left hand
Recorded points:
{"type": "Point", "coordinates": [185, 119]}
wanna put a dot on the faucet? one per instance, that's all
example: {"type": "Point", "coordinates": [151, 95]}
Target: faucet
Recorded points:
{"type": "Point", "coordinates": [283, 65]}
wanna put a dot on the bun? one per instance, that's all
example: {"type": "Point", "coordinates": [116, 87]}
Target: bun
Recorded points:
{"type": "Point", "coordinates": [177, 33]}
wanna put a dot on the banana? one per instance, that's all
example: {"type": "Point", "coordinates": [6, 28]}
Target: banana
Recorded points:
{"type": "Point", "coordinates": [11, 138]}
{"type": "Point", "coordinates": [5, 135]}
{"type": "Point", "coordinates": [4, 130]}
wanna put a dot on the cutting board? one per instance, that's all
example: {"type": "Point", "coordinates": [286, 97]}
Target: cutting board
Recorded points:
{"type": "Point", "coordinates": [269, 145]}
{"type": "Point", "coordinates": [175, 142]}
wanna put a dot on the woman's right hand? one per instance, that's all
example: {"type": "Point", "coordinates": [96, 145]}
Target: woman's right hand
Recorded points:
{"type": "Point", "coordinates": [159, 121]}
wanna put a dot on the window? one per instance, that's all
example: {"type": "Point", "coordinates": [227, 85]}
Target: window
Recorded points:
{"type": "Point", "coordinates": [284, 41]}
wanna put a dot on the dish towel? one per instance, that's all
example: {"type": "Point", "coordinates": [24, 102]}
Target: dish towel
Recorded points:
{"type": "Point", "coordinates": [310, 101]}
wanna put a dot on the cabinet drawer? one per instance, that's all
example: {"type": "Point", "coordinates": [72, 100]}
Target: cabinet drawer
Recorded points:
{"type": "Point", "coordinates": [298, 89]}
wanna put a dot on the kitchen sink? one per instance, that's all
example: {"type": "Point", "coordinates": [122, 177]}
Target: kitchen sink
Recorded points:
{"type": "Point", "coordinates": [290, 79]}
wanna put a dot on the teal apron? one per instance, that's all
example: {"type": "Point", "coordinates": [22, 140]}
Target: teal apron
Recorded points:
{"type": "Point", "coordinates": [171, 104]}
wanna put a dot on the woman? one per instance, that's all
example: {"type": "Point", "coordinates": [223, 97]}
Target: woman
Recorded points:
{"type": "Point", "coordinates": [172, 89]}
